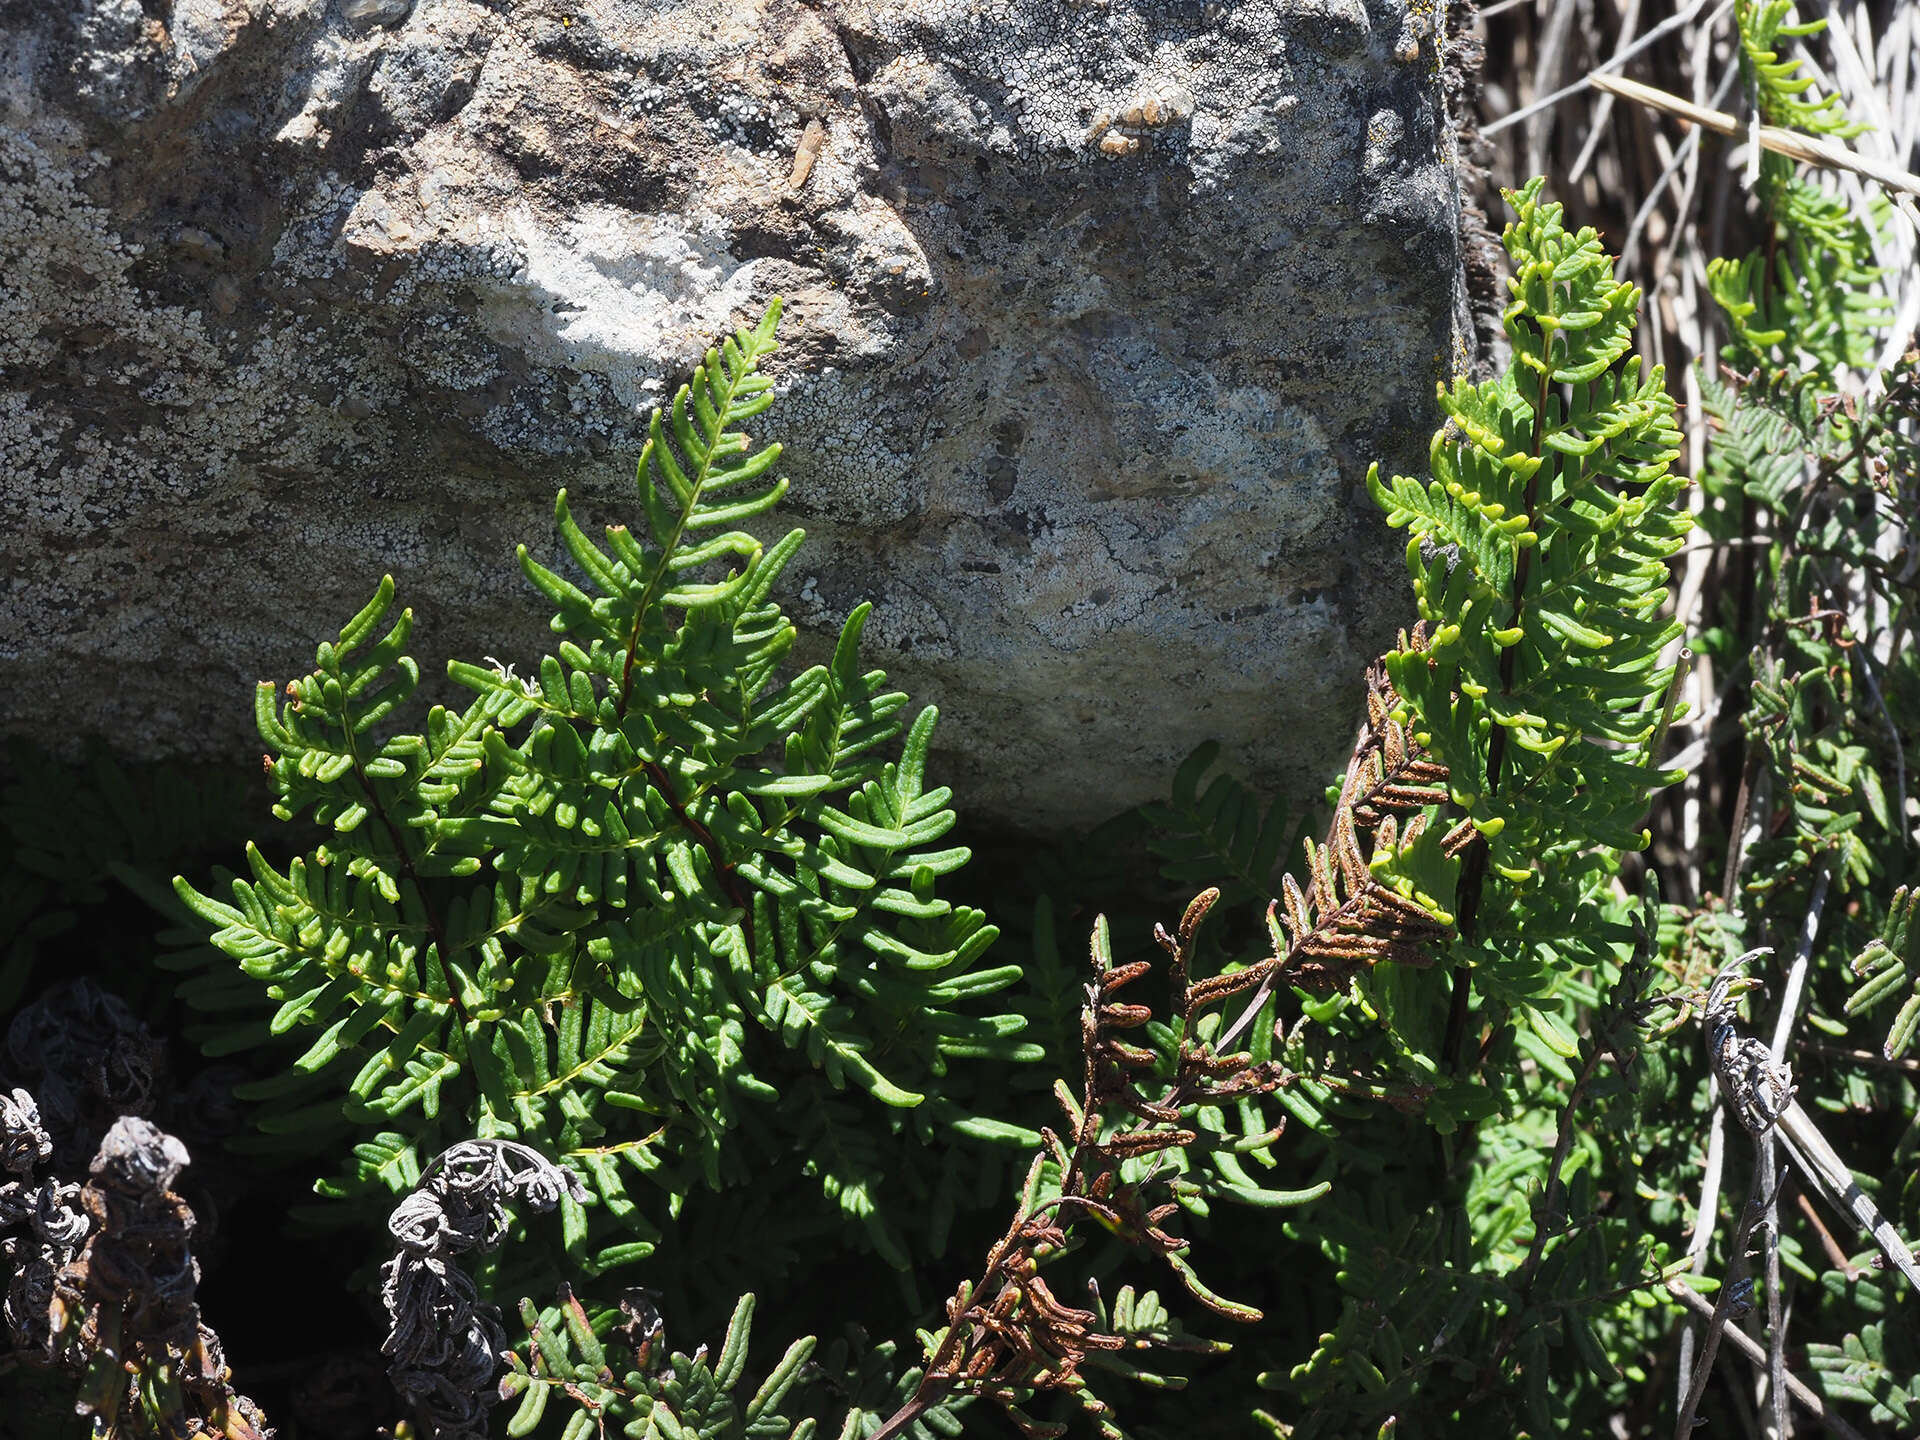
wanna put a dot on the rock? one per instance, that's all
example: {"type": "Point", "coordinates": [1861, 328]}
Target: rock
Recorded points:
{"type": "Point", "coordinates": [365, 14]}
{"type": "Point", "coordinates": [198, 245]}
{"type": "Point", "coordinates": [1097, 312]}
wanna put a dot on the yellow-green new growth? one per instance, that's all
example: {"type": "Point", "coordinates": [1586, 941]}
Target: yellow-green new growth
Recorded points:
{"type": "Point", "coordinates": [1538, 552]}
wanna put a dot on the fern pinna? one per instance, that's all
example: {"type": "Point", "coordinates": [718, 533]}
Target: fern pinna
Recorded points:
{"type": "Point", "coordinates": [645, 910]}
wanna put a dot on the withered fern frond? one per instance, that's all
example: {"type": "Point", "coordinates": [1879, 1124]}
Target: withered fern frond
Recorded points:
{"type": "Point", "coordinates": [1008, 1334]}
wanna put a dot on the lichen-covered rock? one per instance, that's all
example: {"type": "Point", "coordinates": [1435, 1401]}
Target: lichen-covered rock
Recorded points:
{"type": "Point", "coordinates": [1096, 313]}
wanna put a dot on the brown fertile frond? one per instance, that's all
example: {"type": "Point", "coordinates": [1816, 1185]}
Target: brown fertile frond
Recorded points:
{"type": "Point", "coordinates": [1388, 771]}
{"type": "Point", "coordinates": [1009, 1333]}
{"type": "Point", "coordinates": [1234, 982]}
{"type": "Point", "coordinates": [1127, 1144]}
{"type": "Point", "coordinates": [1113, 979]}
{"type": "Point", "coordinates": [1345, 918]}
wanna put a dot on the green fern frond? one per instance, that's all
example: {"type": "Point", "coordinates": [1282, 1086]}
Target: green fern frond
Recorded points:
{"type": "Point", "coordinates": [1763, 436]}
{"type": "Point", "coordinates": [620, 1383]}
{"type": "Point", "coordinates": [1889, 968]}
{"type": "Point", "coordinates": [1787, 97]}
{"type": "Point", "coordinates": [617, 908]}
{"type": "Point", "coordinates": [1813, 305]}
{"type": "Point", "coordinates": [1216, 834]}
{"type": "Point", "coordinates": [1859, 1369]}
{"type": "Point", "coordinates": [112, 821]}
{"type": "Point", "coordinates": [874, 1381]}
{"type": "Point", "coordinates": [1539, 564]}
{"type": "Point", "coordinates": [846, 1159]}
{"type": "Point", "coordinates": [1814, 299]}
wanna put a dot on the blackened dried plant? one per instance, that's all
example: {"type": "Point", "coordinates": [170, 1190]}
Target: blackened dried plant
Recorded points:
{"type": "Point", "coordinates": [42, 1221]}
{"type": "Point", "coordinates": [1761, 1090]}
{"type": "Point", "coordinates": [88, 1061]}
{"type": "Point", "coordinates": [101, 1276]}
{"type": "Point", "coordinates": [124, 1307]}
{"type": "Point", "coordinates": [1758, 1087]}
{"type": "Point", "coordinates": [444, 1343]}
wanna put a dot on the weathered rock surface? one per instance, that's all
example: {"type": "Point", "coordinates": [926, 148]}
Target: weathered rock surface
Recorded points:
{"type": "Point", "coordinates": [1097, 312]}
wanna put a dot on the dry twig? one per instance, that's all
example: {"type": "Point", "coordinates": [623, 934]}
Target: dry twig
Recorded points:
{"type": "Point", "coordinates": [1811, 149]}
{"type": "Point", "coordinates": [1743, 1342]}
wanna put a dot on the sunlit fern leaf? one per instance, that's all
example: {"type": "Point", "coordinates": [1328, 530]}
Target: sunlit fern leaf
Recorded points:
{"type": "Point", "coordinates": [1814, 298]}
{"type": "Point", "coordinates": [1787, 95]}
{"type": "Point", "coordinates": [1539, 564]}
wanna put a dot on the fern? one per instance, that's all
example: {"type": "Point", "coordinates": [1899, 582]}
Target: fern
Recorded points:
{"type": "Point", "coordinates": [115, 823]}
{"type": "Point", "coordinates": [1800, 315]}
{"type": "Point", "coordinates": [1815, 467]}
{"type": "Point", "coordinates": [638, 1393]}
{"type": "Point", "coordinates": [1816, 282]}
{"type": "Point", "coordinates": [1170, 1112]}
{"type": "Point", "coordinates": [1829, 786]}
{"type": "Point", "coordinates": [1763, 433]}
{"type": "Point", "coordinates": [1539, 561]}
{"type": "Point", "coordinates": [1888, 967]}
{"type": "Point", "coordinates": [1513, 766]}
{"type": "Point", "coordinates": [1858, 1369]}
{"type": "Point", "coordinates": [1216, 833]}
{"type": "Point", "coordinates": [1786, 96]}
{"type": "Point", "coordinates": [645, 901]}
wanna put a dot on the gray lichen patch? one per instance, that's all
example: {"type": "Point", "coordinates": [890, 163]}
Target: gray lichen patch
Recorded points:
{"type": "Point", "coordinates": [1096, 313]}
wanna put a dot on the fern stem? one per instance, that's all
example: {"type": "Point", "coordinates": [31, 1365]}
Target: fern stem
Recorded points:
{"type": "Point", "coordinates": [651, 593]}
{"type": "Point", "coordinates": [1554, 1192]}
{"type": "Point", "coordinates": [924, 1399]}
{"type": "Point", "coordinates": [1352, 908]}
